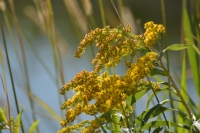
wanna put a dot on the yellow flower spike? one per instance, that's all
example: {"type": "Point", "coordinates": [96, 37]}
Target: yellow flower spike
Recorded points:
{"type": "Point", "coordinates": [63, 123]}
{"type": "Point", "coordinates": [65, 130]}
{"type": "Point", "coordinates": [152, 32]}
{"type": "Point", "coordinates": [78, 109]}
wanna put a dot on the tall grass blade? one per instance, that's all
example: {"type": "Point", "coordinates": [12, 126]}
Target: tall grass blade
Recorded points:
{"type": "Point", "coordinates": [37, 55]}
{"type": "Point", "coordinates": [166, 44]}
{"type": "Point", "coordinates": [33, 126]}
{"type": "Point", "coordinates": [74, 14]}
{"type": "Point", "coordinates": [8, 26]}
{"type": "Point", "coordinates": [12, 7]}
{"type": "Point", "coordinates": [193, 60]}
{"type": "Point", "coordinates": [103, 18]}
{"type": "Point", "coordinates": [53, 114]}
{"type": "Point", "coordinates": [56, 52]}
{"type": "Point", "coordinates": [183, 88]}
{"type": "Point", "coordinates": [10, 72]}
{"type": "Point", "coordinates": [4, 114]}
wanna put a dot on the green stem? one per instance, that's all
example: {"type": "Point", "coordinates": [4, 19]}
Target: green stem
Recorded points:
{"type": "Point", "coordinates": [11, 76]}
{"type": "Point", "coordinates": [167, 54]}
{"type": "Point", "coordinates": [158, 101]}
{"type": "Point", "coordinates": [11, 3]}
{"type": "Point", "coordinates": [126, 119]}
{"type": "Point", "coordinates": [102, 13]}
{"type": "Point", "coordinates": [120, 5]}
{"type": "Point", "coordinates": [117, 13]}
{"type": "Point", "coordinates": [56, 56]}
{"type": "Point", "coordinates": [177, 90]}
{"type": "Point", "coordinates": [115, 124]}
{"type": "Point", "coordinates": [73, 21]}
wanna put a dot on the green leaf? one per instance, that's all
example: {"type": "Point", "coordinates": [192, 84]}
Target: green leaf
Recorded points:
{"type": "Point", "coordinates": [183, 89]}
{"type": "Point", "coordinates": [3, 121]}
{"type": "Point", "coordinates": [157, 130]}
{"type": "Point", "coordinates": [188, 25]}
{"type": "Point", "coordinates": [100, 124]}
{"type": "Point", "coordinates": [3, 126]}
{"type": "Point", "coordinates": [176, 47]}
{"type": "Point", "coordinates": [2, 117]}
{"type": "Point", "coordinates": [153, 112]}
{"type": "Point", "coordinates": [18, 121]}
{"type": "Point", "coordinates": [156, 71]}
{"type": "Point", "coordinates": [144, 50]}
{"type": "Point", "coordinates": [33, 126]}
{"type": "Point", "coordinates": [143, 90]}
{"type": "Point", "coordinates": [155, 124]}
{"type": "Point", "coordinates": [158, 91]}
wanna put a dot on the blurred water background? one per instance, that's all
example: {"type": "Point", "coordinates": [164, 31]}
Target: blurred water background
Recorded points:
{"type": "Point", "coordinates": [42, 85]}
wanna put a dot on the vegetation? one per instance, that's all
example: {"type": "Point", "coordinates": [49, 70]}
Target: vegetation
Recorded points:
{"type": "Point", "coordinates": [108, 97]}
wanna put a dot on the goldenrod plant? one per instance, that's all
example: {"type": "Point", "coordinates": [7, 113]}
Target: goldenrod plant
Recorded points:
{"type": "Point", "coordinates": [130, 67]}
{"type": "Point", "coordinates": [102, 94]}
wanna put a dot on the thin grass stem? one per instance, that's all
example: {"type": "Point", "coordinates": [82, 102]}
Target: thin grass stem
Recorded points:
{"type": "Point", "coordinates": [8, 104]}
{"type": "Point", "coordinates": [10, 72]}
{"type": "Point", "coordinates": [56, 56]}
{"type": "Point", "coordinates": [120, 6]}
{"type": "Point", "coordinates": [158, 101]}
{"type": "Point", "coordinates": [117, 13]}
{"type": "Point", "coordinates": [72, 19]}
{"type": "Point", "coordinates": [11, 3]}
{"type": "Point", "coordinates": [126, 119]}
{"type": "Point", "coordinates": [37, 55]}
{"type": "Point", "coordinates": [177, 90]}
{"type": "Point", "coordinates": [167, 54]}
{"type": "Point", "coordinates": [103, 18]}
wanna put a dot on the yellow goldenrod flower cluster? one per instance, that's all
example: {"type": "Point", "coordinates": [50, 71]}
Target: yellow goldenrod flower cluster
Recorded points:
{"type": "Point", "coordinates": [152, 32]}
{"type": "Point", "coordinates": [109, 55]}
{"type": "Point", "coordinates": [99, 93]}
{"type": "Point", "coordinates": [107, 91]}
{"type": "Point", "coordinates": [142, 67]}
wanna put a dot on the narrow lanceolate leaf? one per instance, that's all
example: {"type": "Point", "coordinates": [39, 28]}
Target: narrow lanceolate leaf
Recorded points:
{"type": "Point", "coordinates": [33, 126]}
{"type": "Point", "coordinates": [192, 55]}
{"type": "Point", "coordinates": [104, 131]}
{"type": "Point", "coordinates": [158, 91]}
{"type": "Point", "coordinates": [176, 47]}
{"type": "Point", "coordinates": [157, 130]}
{"type": "Point", "coordinates": [18, 120]}
{"type": "Point", "coordinates": [155, 124]}
{"type": "Point", "coordinates": [154, 111]}
{"type": "Point", "coordinates": [132, 99]}
{"type": "Point", "coordinates": [2, 117]}
{"type": "Point", "coordinates": [156, 71]}
{"type": "Point", "coordinates": [183, 89]}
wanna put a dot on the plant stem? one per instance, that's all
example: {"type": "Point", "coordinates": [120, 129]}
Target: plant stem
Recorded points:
{"type": "Point", "coordinates": [11, 76]}
{"type": "Point", "coordinates": [102, 13]}
{"type": "Point", "coordinates": [12, 7]}
{"type": "Point", "coordinates": [118, 13]}
{"type": "Point", "coordinates": [8, 104]}
{"type": "Point", "coordinates": [177, 90]}
{"type": "Point", "coordinates": [167, 55]}
{"type": "Point", "coordinates": [158, 101]}
{"type": "Point", "coordinates": [126, 119]}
